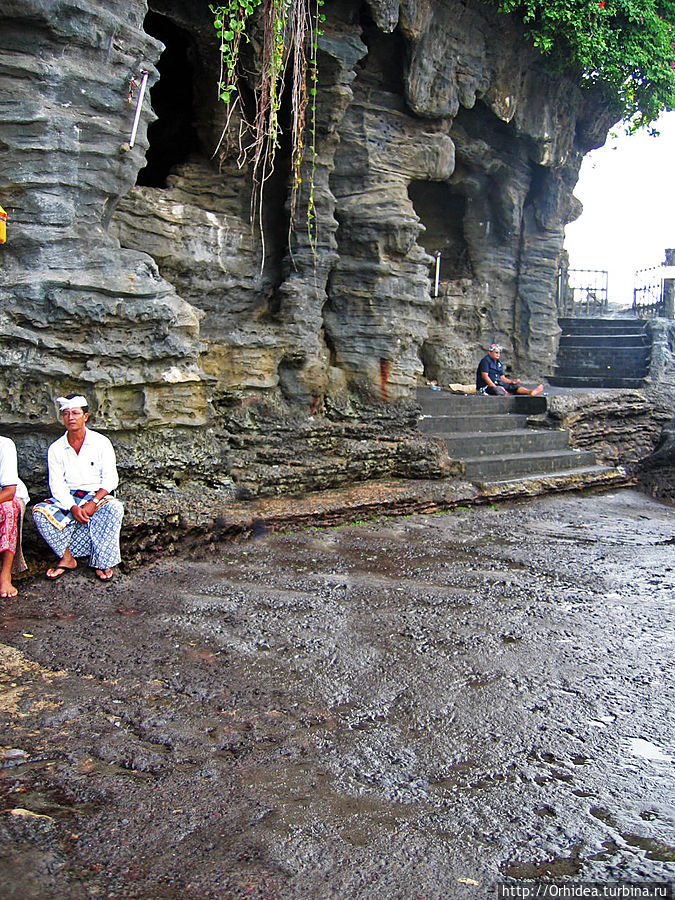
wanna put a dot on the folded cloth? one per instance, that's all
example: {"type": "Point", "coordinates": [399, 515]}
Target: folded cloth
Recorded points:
{"type": "Point", "coordinates": [71, 402]}
{"type": "Point", "coordinates": [61, 518]}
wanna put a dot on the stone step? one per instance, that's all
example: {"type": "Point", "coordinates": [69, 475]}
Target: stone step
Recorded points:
{"type": "Point", "coordinates": [447, 425]}
{"type": "Point", "coordinates": [584, 476]}
{"type": "Point", "coordinates": [591, 325]}
{"type": "Point", "coordinates": [586, 370]}
{"type": "Point", "coordinates": [472, 446]}
{"type": "Point", "coordinates": [604, 356]}
{"type": "Point", "coordinates": [566, 370]}
{"type": "Point", "coordinates": [589, 381]}
{"type": "Point", "coordinates": [446, 403]}
{"type": "Point", "coordinates": [510, 466]}
{"type": "Point", "coordinates": [606, 341]}
{"type": "Point", "coordinates": [597, 339]}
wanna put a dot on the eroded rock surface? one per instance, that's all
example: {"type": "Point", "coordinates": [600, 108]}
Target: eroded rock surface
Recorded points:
{"type": "Point", "coordinates": [135, 277]}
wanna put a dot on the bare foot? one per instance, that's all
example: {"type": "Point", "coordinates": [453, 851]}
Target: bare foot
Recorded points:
{"type": "Point", "coordinates": [539, 388]}
{"type": "Point", "coordinates": [104, 574]}
{"type": "Point", "coordinates": [7, 589]}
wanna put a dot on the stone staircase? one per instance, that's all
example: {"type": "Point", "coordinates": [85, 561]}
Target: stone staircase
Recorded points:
{"type": "Point", "coordinates": [501, 447]}
{"type": "Point", "coordinates": [602, 353]}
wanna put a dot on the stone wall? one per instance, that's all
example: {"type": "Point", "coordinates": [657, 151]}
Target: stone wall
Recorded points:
{"type": "Point", "coordinates": [135, 277]}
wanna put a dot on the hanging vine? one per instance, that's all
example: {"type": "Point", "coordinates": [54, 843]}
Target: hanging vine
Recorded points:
{"type": "Point", "coordinates": [290, 31]}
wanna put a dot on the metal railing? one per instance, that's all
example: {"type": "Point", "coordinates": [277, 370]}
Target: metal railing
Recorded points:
{"type": "Point", "coordinates": [582, 292]}
{"type": "Point", "coordinates": [650, 291]}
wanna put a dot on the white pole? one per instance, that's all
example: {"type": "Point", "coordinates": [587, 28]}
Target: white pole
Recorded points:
{"type": "Point", "coordinates": [438, 272]}
{"type": "Point", "coordinates": [139, 104]}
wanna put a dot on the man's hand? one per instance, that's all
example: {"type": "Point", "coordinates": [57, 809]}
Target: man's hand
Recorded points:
{"type": "Point", "coordinates": [83, 513]}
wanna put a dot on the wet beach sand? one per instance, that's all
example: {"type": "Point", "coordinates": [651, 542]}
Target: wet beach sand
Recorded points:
{"type": "Point", "coordinates": [413, 707]}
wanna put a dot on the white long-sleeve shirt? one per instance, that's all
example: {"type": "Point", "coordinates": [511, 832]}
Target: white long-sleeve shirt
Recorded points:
{"type": "Point", "coordinates": [92, 468]}
{"type": "Point", "coordinates": [9, 473]}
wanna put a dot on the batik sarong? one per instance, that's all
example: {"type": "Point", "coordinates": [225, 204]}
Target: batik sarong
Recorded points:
{"type": "Point", "coordinates": [11, 524]}
{"type": "Point", "coordinates": [99, 538]}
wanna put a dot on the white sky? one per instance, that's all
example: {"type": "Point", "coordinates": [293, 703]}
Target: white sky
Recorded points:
{"type": "Point", "coordinates": [627, 188]}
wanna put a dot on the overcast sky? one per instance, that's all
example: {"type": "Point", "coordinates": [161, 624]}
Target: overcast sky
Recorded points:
{"type": "Point", "coordinates": [627, 188]}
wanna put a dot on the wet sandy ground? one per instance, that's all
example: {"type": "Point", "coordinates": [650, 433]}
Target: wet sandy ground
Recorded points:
{"type": "Point", "coordinates": [406, 708]}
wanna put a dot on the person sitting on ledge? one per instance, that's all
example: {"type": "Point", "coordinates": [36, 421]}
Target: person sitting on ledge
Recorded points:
{"type": "Point", "coordinates": [490, 378]}
{"type": "Point", "coordinates": [13, 500]}
{"type": "Point", "coordinates": [82, 517]}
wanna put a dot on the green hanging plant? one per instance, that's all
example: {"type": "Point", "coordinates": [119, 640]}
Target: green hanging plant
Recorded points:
{"type": "Point", "coordinates": [290, 30]}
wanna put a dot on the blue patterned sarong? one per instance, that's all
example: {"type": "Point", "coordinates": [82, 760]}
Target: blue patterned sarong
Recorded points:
{"type": "Point", "coordinates": [99, 538]}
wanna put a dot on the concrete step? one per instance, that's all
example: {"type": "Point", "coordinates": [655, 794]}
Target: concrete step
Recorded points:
{"type": "Point", "coordinates": [472, 446]}
{"type": "Point", "coordinates": [446, 403]}
{"type": "Point", "coordinates": [580, 381]}
{"type": "Point", "coordinates": [510, 466]}
{"type": "Point", "coordinates": [448, 425]}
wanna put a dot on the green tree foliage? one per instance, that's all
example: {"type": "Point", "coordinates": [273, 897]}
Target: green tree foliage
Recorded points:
{"type": "Point", "coordinates": [626, 47]}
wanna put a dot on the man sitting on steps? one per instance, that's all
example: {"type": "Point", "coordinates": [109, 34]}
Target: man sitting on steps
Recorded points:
{"type": "Point", "coordinates": [490, 378]}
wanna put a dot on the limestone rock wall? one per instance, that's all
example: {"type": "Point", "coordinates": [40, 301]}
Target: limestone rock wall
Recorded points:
{"type": "Point", "coordinates": [135, 276]}
{"type": "Point", "coordinates": [77, 311]}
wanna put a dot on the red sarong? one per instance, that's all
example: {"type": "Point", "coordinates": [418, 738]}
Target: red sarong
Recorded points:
{"type": "Point", "coordinates": [10, 513]}
{"type": "Point", "coordinates": [11, 518]}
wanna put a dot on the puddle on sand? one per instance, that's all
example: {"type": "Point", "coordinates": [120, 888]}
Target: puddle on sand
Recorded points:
{"type": "Point", "coordinates": [602, 721]}
{"type": "Point", "coordinates": [647, 750]}
{"type": "Point", "coordinates": [654, 849]}
{"type": "Point", "coordinates": [559, 867]}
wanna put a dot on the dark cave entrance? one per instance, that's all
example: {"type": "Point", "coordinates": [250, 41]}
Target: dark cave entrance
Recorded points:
{"type": "Point", "coordinates": [172, 136]}
{"type": "Point", "coordinates": [383, 67]}
{"type": "Point", "coordinates": [442, 208]}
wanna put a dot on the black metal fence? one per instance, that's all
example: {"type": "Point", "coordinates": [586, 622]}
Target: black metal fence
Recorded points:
{"type": "Point", "coordinates": [582, 292]}
{"type": "Point", "coordinates": [649, 295]}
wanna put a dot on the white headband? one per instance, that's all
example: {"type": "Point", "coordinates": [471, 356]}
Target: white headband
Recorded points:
{"type": "Point", "coordinates": [70, 403]}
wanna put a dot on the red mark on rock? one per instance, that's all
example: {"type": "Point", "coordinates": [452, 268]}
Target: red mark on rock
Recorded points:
{"type": "Point", "coordinates": [384, 377]}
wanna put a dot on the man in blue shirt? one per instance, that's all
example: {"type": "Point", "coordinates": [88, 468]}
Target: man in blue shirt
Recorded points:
{"type": "Point", "coordinates": [490, 378]}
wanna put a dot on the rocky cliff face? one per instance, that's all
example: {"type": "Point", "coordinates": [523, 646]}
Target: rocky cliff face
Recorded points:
{"type": "Point", "coordinates": [135, 277]}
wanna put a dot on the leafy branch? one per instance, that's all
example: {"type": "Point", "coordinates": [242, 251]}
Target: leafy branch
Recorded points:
{"type": "Point", "coordinates": [626, 47]}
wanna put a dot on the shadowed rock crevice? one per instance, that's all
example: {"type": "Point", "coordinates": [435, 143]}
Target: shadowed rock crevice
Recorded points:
{"type": "Point", "coordinates": [172, 136]}
{"type": "Point", "coordinates": [441, 207]}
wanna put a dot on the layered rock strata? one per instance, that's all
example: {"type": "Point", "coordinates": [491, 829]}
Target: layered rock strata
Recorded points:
{"type": "Point", "coordinates": [134, 275]}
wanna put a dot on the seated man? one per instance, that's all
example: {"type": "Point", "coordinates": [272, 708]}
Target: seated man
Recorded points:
{"type": "Point", "coordinates": [490, 378]}
{"type": "Point", "coordinates": [13, 499]}
{"type": "Point", "coordinates": [81, 518]}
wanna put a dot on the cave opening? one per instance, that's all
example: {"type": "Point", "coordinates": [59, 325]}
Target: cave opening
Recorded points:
{"type": "Point", "coordinates": [172, 136]}
{"type": "Point", "coordinates": [383, 66]}
{"type": "Point", "coordinates": [442, 209]}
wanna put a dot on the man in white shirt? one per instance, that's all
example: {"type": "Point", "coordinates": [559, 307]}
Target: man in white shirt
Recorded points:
{"type": "Point", "coordinates": [13, 499]}
{"type": "Point", "coordinates": [82, 517]}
